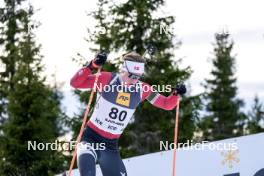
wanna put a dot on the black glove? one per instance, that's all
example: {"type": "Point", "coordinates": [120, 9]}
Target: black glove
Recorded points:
{"type": "Point", "coordinates": [180, 89]}
{"type": "Point", "coordinates": [100, 58]}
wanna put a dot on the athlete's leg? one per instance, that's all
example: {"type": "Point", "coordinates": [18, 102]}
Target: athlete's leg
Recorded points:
{"type": "Point", "coordinates": [111, 163]}
{"type": "Point", "coordinates": [86, 159]}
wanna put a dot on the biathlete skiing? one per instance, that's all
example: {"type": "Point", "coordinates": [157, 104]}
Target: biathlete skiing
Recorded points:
{"type": "Point", "coordinates": [113, 110]}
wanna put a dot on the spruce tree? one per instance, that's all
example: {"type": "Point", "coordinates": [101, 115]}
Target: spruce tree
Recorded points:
{"type": "Point", "coordinates": [224, 118]}
{"type": "Point", "coordinates": [131, 26]}
{"type": "Point", "coordinates": [255, 118]}
{"type": "Point", "coordinates": [33, 108]}
{"type": "Point", "coordinates": [10, 18]}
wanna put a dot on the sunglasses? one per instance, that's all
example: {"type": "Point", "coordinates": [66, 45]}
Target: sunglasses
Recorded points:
{"type": "Point", "coordinates": [132, 76]}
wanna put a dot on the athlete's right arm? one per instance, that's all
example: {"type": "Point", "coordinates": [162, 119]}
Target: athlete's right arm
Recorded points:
{"type": "Point", "coordinates": [85, 79]}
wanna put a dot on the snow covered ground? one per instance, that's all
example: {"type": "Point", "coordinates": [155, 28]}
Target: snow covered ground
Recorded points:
{"type": "Point", "coordinates": [246, 159]}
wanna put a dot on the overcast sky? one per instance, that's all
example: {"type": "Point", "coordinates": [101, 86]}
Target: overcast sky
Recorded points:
{"type": "Point", "coordinates": [64, 25]}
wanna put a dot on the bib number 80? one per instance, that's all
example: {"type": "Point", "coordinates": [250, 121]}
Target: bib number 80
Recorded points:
{"type": "Point", "coordinates": [116, 114]}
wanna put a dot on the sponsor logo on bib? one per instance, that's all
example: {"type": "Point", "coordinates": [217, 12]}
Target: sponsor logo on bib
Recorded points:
{"type": "Point", "coordinates": [123, 99]}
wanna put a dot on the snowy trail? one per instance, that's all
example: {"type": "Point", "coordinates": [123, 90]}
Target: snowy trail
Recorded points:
{"type": "Point", "coordinates": [247, 160]}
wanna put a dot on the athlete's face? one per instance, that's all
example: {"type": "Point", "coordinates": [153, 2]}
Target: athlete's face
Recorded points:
{"type": "Point", "coordinates": [130, 80]}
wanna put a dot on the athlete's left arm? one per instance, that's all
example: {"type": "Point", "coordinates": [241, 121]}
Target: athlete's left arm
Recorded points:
{"type": "Point", "coordinates": [158, 100]}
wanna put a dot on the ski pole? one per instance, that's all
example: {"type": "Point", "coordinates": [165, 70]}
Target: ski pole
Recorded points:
{"type": "Point", "coordinates": [149, 50]}
{"type": "Point", "coordinates": [175, 138]}
{"type": "Point", "coordinates": [84, 120]}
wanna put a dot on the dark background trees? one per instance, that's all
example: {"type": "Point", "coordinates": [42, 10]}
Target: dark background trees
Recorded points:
{"type": "Point", "coordinates": [224, 108]}
{"type": "Point", "coordinates": [30, 110]}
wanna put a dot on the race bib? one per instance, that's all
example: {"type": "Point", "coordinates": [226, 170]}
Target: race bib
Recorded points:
{"type": "Point", "coordinates": [111, 117]}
